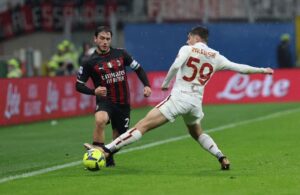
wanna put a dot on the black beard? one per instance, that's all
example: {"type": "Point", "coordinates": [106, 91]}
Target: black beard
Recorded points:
{"type": "Point", "coordinates": [102, 51]}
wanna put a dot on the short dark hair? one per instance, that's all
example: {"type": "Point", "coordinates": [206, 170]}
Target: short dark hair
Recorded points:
{"type": "Point", "coordinates": [201, 31]}
{"type": "Point", "coordinates": [100, 29]}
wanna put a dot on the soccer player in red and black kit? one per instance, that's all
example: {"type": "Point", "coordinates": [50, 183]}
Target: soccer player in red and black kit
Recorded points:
{"type": "Point", "coordinates": [107, 69]}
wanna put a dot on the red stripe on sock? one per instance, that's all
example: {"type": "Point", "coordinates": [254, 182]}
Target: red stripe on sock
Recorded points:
{"type": "Point", "coordinates": [132, 130]}
{"type": "Point", "coordinates": [130, 135]}
{"type": "Point", "coordinates": [118, 142]}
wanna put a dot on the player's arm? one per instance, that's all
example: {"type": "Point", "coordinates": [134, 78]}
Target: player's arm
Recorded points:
{"type": "Point", "coordinates": [82, 77]}
{"type": "Point", "coordinates": [181, 58]}
{"type": "Point", "coordinates": [143, 77]}
{"type": "Point", "coordinates": [226, 64]}
{"type": "Point", "coordinates": [141, 74]}
{"type": "Point", "coordinates": [134, 65]}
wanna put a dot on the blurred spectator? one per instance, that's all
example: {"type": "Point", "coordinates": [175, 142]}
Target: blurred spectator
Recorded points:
{"type": "Point", "coordinates": [56, 61]}
{"type": "Point", "coordinates": [64, 61]}
{"type": "Point", "coordinates": [58, 56]}
{"type": "Point", "coordinates": [284, 56]}
{"type": "Point", "coordinates": [14, 69]}
{"type": "Point", "coordinates": [70, 52]}
{"type": "Point", "coordinates": [52, 68]}
{"type": "Point", "coordinates": [70, 57]}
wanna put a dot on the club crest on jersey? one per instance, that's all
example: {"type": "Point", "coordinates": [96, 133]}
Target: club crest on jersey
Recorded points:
{"type": "Point", "coordinates": [97, 66]}
{"type": "Point", "coordinates": [109, 65]}
{"type": "Point", "coordinates": [118, 62]}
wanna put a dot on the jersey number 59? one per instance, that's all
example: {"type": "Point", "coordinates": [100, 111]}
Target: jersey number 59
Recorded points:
{"type": "Point", "coordinates": [203, 78]}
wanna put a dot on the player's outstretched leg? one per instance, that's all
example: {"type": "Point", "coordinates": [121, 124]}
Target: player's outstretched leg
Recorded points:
{"type": "Point", "coordinates": [130, 136]}
{"type": "Point", "coordinates": [208, 143]}
{"type": "Point", "coordinates": [124, 139]}
{"type": "Point", "coordinates": [225, 164]}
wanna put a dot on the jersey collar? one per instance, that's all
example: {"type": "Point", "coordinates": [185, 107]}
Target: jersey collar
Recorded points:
{"type": "Point", "coordinates": [103, 55]}
{"type": "Point", "coordinates": [200, 44]}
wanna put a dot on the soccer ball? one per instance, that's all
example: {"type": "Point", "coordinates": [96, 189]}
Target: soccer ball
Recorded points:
{"type": "Point", "coordinates": [94, 160]}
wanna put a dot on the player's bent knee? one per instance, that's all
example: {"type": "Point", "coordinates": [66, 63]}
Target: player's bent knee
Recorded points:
{"type": "Point", "coordinates": [101, 119]}
{"type": "Point", "coordinates": [100, 122]}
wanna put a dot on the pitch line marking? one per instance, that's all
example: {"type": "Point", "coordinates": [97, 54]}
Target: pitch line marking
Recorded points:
{"type": "Point", "coordinates": [220, 128]}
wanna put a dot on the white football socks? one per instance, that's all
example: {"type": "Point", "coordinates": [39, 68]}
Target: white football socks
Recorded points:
{"type": "Point", "coordinates": [208, 143]}
{"type": "Point", "coordinates": [130, 136]}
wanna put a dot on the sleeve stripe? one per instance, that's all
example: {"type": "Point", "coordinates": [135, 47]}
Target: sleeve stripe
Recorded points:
{"type": "Point", "coordinates": [134, 65]}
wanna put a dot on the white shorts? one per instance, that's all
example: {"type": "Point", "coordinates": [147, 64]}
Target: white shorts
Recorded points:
{"type": "Point", "coordinates": [171, 108]}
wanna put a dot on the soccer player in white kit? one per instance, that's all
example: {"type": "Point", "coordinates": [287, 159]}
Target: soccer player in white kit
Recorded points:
{"type": "Point", "coordinates": [194, 66]}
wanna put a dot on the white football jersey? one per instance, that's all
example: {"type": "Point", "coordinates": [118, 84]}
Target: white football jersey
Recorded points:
{"type": "Point", "coordinates": [194, 66]}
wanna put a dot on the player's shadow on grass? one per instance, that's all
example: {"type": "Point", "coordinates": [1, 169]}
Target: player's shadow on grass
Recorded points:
{"type": "Point", "coordinates": [156, 171]}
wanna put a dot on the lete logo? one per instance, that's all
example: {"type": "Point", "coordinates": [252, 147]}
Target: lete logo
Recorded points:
{"type": "Point", "coordinates": [52, 98]}
{"type": "Point", "coordinates": [240, 86]}
{"type": "Point", "coordinates": [13, 100]}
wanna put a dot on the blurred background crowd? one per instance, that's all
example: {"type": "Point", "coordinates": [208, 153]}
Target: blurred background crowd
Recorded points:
{"type": "Point", "coordinates": [52, 38]}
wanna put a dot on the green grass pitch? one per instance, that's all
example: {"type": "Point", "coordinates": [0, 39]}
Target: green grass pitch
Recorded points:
{"type": "Point", "coordinates": [261, 141]}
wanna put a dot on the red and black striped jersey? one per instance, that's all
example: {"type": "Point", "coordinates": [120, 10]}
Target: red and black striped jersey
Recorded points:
{"type": "Point", "coordinates": [109, 70]}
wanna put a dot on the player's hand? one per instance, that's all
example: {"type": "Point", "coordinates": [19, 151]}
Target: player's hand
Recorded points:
{"type": "Point", "coordinates": [269, 71]}
{"type": "Point", "coordinates": [101, 91]}
{"type": "Point", "coordinates": [147, 91]}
